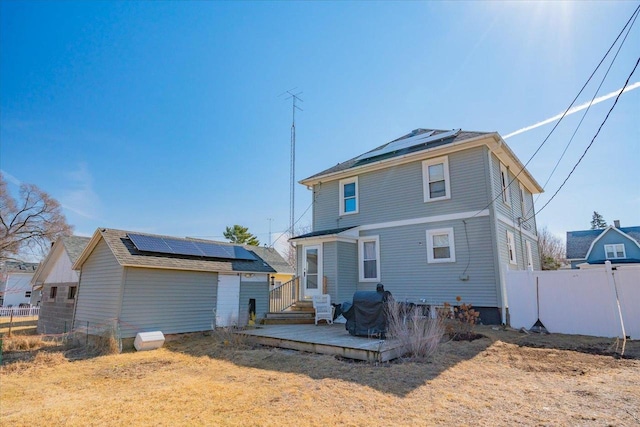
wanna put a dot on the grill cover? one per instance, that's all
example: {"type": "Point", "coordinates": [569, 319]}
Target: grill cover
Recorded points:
{"type": "Point", "coordinates": [366, 316]}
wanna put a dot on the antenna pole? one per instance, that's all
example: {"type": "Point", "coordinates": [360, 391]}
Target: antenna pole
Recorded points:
{"type": "Point", "coordinates": [292, 178]}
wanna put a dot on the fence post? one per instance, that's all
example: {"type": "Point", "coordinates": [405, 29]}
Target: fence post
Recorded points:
{"type": "Point", "coordinates": [10, 323]}
{"type": "Point", "coordinates": [87, 338]}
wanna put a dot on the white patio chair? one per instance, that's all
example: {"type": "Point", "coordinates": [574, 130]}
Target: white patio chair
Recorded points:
{"type": "Point", "coordinates": [324, 309]}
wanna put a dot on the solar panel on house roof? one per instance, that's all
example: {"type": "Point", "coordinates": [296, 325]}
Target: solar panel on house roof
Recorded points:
{"type": "Point", "coordinates": [412, 141]}
{"type": "Point", "coordinates": [167, 245]}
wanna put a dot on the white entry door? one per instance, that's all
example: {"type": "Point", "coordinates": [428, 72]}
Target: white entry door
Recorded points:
{"type": "Point", "coordinates": [228, 300]}
{"type": "Point", "coordinates": [312, 274]}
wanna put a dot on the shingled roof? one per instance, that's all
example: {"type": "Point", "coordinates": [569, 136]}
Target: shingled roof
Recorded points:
{"type": "Point", "coordinates": [357, 161]}
{"type": "Point", "coordinates": [579, 242]}
{"type": "Point", "coordinates": [128, 255]}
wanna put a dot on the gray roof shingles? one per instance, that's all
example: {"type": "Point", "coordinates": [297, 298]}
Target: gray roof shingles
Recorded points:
{"type": "Point", "coordinates": [579, 242]}
{"type": "Point", "coordinates": [74, 246]}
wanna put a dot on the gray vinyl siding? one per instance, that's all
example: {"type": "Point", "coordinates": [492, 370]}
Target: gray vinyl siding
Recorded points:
{"type": "Point", "coordinates": [258, 291]}
{"type": "Point", "coordinates": [170, 301]}
{"type": "Point", "coordinates": [347, 271]}
{"type": "Point", "coordinates": [407, 274]}
{"type": "Point", "coordinates": [396, 193]}
{"type": "Point", "coordinates": [100, 288]}
{"type": "Point", "coordinates": [330, 266]}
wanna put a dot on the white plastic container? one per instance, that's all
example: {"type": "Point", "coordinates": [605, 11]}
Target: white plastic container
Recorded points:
{"type": "Point", "coordinates": [148, 340]}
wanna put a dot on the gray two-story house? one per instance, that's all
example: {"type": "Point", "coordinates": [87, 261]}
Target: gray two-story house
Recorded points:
{"type": "Point", "coordinates": [431, 215]}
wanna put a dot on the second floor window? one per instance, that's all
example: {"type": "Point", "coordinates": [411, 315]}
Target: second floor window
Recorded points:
{"type": "Point", "coordinates": [615, 251]}
{"type": "Point", "coordinates": [504, 181]}
{"type": "Point", "coordinates": [435, 174]}
{"type": "Point", "coordinates": [349, 196]}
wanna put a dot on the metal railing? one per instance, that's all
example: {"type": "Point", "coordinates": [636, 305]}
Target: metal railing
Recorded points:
{"type": "Point", "coordinates": [19, 311]}
{"type": "Point", "coordinates": [284, 296]}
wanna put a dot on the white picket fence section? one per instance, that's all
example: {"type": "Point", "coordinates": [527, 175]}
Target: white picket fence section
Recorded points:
{"type": "Point", "coordinates": [596, 301]}
{"type": "Point", "coordinates": [20, 311]}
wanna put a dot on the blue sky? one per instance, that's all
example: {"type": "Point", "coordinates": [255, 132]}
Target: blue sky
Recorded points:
{"type": "Point", "coordinates": [164, 117]}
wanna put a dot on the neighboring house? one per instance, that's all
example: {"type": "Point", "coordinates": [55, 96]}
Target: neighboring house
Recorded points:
{"type": "Point", "coordinates": [15, 286]}
{"type": "Point", "coordinates": [432, 215]}
{"type": "Point", "coordinates": [620, 245]}
{"type": "Point", "coordinates": [142, 282]}
{"type": "Point", "coordinates": [56, 284]}
{"type": "Point", "coordinates": [284, 272]}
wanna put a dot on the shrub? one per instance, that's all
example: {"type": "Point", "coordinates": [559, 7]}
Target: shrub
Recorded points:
{"type": "Point", "coordinates": [461, 320]}
{"type": "Point", "coordinates": [419, 335]}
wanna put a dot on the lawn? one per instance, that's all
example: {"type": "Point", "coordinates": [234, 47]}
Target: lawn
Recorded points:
{"type": "Point", "coordinates": [505, 378]}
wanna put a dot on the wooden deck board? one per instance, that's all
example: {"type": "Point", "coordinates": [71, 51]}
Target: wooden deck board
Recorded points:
{"type": "Point", "coordinates": [325, 339]}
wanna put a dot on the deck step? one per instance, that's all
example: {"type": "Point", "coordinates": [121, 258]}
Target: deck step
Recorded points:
{"type": "Point", "coordinates": [289, 317]}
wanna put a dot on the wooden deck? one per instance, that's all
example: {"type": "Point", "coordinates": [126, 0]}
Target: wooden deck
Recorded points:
{"type": "Point", "coordinates": [325, 339]}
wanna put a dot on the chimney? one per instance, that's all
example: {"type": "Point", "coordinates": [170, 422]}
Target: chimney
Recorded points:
{"type": "Point", "coordinates": [616, 223]}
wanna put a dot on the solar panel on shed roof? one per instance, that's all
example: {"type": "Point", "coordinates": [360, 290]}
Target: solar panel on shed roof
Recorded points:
{"type": "Point", "coordinates": [149, 243]}
{"type": "Point", "coordinates": [167, 245]}
{"type": "Point", "coordinates": [183, 247]}
{"type": "Point", "coordinates": [214, 250]}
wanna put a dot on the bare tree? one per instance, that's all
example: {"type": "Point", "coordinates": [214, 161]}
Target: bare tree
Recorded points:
{"type": "Point", "coordinates": [31, 222]}
{"type": "Point", "coordinates": [290, 253]}
{"type": "Point", "coordinates": [552, 249]}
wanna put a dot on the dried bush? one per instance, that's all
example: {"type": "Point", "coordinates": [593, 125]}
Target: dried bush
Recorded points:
{"type": "Point", "coordinates": [419, 335]}
{"type": "Point", "coordinates": [460, 320]}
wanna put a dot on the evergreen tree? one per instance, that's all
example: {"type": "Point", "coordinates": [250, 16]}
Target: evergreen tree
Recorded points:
{"type": "Point", "coordinates": [239, 234]}
{"type": "Point", "coordinates": [597, 221]}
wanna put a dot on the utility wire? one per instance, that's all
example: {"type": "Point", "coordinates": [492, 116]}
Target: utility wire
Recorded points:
{"type": "Point", "coordinates": [584, 115]}
{"type": "Point", "coordinates": [592, 140]}
{"type": "Point", "coordinates": [565, 112]}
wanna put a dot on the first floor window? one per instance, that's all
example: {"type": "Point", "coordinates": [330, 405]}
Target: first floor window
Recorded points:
{"type": "Point", "coordinates": [615, 251]}
{"type": "Point", "coordinates": [72, 292]}
{"type": "Point", "coordinates": [527, 245]}
{"type": "Point", "coordinates": [511, 248]}
{"type": "Point", "coordinates": [53, 292]}
{"type": "Point", "coordinates": [440, 245]}
{"type": "Point", "coordinates": [369, 248]}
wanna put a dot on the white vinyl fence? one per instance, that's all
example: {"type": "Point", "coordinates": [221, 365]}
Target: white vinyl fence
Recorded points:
{"type": "Point", "coordinates": [595, 301]}
{"type": "Point", "coordinates": [19, 311]}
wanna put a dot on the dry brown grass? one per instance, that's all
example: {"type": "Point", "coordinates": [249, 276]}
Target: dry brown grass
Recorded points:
{"type": "Point", "coordinates": [502, 379]}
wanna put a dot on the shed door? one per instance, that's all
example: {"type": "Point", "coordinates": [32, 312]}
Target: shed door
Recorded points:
{"type": "Point", "coordinates": [228, 300]}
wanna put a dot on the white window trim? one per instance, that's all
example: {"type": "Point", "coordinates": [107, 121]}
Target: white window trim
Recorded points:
{"type": "Point", "coordinates": [624, 251]}
{"type": "Point", "coordinates": [523, 200]}
{"type": "Point", "coordinates": [342, 183]}
{"type": "Point", "coordinates": [511, 248]}
{"type": "Point", "coordinates": [425, 178]}
{"type": "Point", "coordinates": [452, 248]}
{"type": "Point", "coordinates": [527, 245]}
{"type": "Point", "coordinates": [361, 242]}
{"type": "Point", "coordinates": [504, 185]}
